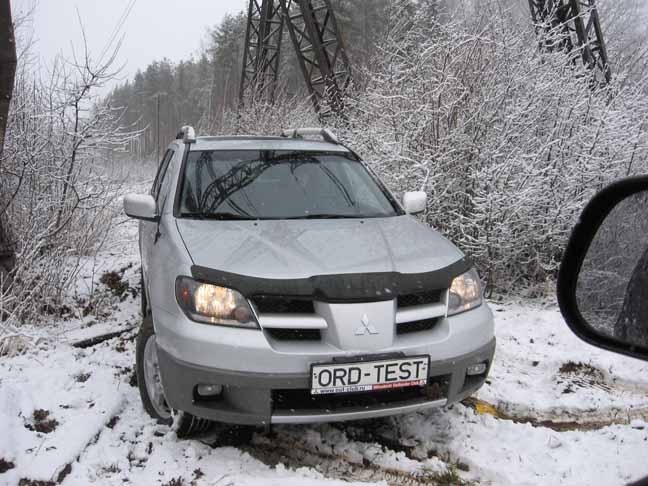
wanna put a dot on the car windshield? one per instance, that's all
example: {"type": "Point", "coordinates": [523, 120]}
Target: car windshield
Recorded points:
{"type": "Point", "coordinates": [268, 184]}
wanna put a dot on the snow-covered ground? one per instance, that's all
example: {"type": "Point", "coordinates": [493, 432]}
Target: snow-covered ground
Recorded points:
{"type": "Point", "coordinates": [555, 411]}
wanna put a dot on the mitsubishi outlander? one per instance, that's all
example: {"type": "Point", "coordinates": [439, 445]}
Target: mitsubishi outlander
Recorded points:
{"type": "Point", "coordinates": [283, 283]}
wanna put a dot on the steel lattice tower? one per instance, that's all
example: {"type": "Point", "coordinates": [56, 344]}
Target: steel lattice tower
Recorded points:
{"type": "Point", "coordinates": [573, 25]}
{"type": "Point", "coordinates": [262, 50]}
{"type": "Point", "coordinates": [318, 45]}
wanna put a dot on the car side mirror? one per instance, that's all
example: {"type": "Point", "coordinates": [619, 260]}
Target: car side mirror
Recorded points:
{"type": "Point", "coordinates": [603, 278]}
{"type": "Point", "coordinates": [140, 206]}
{"type": "Point", "coordinates": [414, 202]}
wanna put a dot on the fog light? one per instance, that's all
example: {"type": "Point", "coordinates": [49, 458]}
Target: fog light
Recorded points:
{"type": "Point", "coordinates": [209, 390]}
{"type": "Point", "coordinates": [476, 369]}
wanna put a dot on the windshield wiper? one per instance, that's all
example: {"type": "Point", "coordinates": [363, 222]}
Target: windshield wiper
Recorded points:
{"type": "Point", "coordinates": [221, 216]}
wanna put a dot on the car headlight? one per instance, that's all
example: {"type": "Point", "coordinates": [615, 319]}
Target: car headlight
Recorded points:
{"type": "Point", "coordinates": [212, 304]}
{"type": "Point", "coordinates": [465, 293]}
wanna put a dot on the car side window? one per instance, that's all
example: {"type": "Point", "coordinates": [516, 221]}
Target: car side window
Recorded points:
{"type": "Point", "coordinates": [159, 177]}
{"type": "Point", "coordinates": [163, 190]}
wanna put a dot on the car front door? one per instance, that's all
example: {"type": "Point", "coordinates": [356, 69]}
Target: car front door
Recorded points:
{"type": "Point", "coordinates": [149, 230]}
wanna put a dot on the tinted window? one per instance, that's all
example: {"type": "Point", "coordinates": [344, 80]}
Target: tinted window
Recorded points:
{"type": "Point", "coordinates": [280, 185]}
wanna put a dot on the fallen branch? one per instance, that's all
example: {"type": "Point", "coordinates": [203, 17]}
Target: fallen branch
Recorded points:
{"type": "Point", "coordinates": [93, 341]}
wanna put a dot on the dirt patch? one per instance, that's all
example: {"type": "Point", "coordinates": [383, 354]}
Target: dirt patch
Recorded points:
{"type": "Point", "coordinates": [175, 482]}
{"type": "Point", "coordinates": [583, 375]}
{"type": "Point", "coordinates": [41, 422]}
{"type": "Point", "coordinates": [64, 473]}
{"type": "Point", "coordinates": [132, 381]}
{"type": "Point", "coordinates": [583, 369]}
{"type": "Point", "coordinates": [112, 422]}
{"type": "Point", "coordinates": [114, 282]}
{"type": "Point", "coordinates": [120, 347]}
{"type": "Point", "coordinates": [81, 377]}
{"type": "Point", "coordinates": [33, 482]}
{"type": "Point", "coordinates": [112, 469]}
{"type": "Point", "coordinates": [5, 465]}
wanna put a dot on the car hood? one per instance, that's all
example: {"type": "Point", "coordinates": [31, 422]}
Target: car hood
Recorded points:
{"type": "Point", "coordinates": [290, 249]}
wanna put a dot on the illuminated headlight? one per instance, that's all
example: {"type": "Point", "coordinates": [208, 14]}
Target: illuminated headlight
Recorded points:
{"type": "Point", "coordinates": [212, 304]}
{"type": "Point", "coordinates": [465, 293]}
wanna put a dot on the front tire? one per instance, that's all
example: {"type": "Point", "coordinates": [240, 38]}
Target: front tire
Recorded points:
{"type": "Point", "coordinates": [151, 391]}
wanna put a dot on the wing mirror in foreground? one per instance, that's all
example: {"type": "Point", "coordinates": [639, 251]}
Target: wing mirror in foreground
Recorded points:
{"type": "Point", "coordinates": [414, 202]}
{"type": "Point", "coordinates": [603, 278]}
{"type": "Point", "coordinates": [140, 207]}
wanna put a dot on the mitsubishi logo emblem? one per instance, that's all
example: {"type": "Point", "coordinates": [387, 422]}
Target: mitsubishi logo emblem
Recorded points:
{"type": "Point", "coordinates": [365, 328]}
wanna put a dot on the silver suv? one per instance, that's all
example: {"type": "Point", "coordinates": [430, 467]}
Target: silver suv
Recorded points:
{"type": "Point", "coordinates": [282, 283]}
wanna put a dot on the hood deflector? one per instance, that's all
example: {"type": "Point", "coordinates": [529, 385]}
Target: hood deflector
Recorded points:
{"type": "Point", "coordinates": [344, 287]}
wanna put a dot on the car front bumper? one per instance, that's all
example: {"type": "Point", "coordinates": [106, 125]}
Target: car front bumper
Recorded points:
{"type": "Point", "coordinates": [263, 398]}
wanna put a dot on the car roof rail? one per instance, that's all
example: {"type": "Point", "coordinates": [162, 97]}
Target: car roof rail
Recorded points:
{"type": "Point", "coordinates": [325, 133]}
{"type": "Point", "coordinates": [187, 134]}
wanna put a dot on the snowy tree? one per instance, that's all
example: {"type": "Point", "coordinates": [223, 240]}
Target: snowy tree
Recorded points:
{"type": "Point", "coordinates": [508, 141]}
{"type": "Point", "coordinates": [56, 196]}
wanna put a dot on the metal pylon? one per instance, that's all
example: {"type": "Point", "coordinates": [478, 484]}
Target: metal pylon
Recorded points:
{"type": "Point", "coordinates": [573, 25]}
{"type": "Point", "coordinates": [318, 46]}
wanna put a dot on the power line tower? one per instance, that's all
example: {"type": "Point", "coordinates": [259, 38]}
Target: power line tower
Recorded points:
{"type": "Point", "coordinates": [315, 36]}
{"type": "Point", "coordinates": [573, 26]}
{"type": "Point", "coordinates": [262, 50]}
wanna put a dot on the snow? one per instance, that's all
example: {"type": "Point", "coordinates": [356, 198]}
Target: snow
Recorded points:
{"type": "Point", "coordinates": [48, 380]}
{"type": "Point", "coordinates": [597, 408]}
{"type": "Point", "coordinates": [533, 343]}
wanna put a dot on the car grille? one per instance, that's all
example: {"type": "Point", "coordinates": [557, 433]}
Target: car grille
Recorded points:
{"type": "Point", "coordinates": [417, 326]}
{"type": "Point", "coordinates": [295, 334]}
{"type": "Point", "coordinates": [411, 300]}
{"type": "Point", "coordinates": [290, 308]}
{"type": "Point", "coordinates": [267, 304]}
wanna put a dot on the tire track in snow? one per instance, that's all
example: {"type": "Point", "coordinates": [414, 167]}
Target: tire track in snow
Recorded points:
{"type": "Point", "coordinates": [559, 420]}
{"type": "Point", "coordinates": [359, 461]}
{"type": "Point", "coordinates": [613, 400]}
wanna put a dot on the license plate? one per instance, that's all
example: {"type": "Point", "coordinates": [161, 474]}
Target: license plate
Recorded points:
{"type": "Point", "coordinates": [369, 375]}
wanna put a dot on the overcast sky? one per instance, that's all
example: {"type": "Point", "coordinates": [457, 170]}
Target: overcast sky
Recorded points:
{"type": "Point", "coordinates": [154, 28]}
